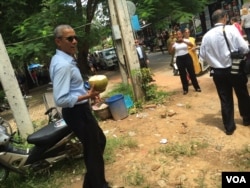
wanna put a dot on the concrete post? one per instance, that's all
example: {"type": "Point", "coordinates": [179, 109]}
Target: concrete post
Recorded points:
{"type": "Point", "coordinates": [127, 38]}
{"type": "Point", "coordinates": [13, 93]}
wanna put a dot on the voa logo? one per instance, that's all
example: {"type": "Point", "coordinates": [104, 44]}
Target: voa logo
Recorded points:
{"type": "Point", "coordinates": [236, 179]}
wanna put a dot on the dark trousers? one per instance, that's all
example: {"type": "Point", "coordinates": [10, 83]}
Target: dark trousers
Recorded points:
{"type": "Point", "coordinates": [143, 63]}
{"type": "Point", "coordinates": [82, 122]}
{"type": "Point", "coordinates": [225, 83]}
{"type": "Point", "coordinates": [185, 64]}
{"type": "Point", "coordinates": [247, 31]}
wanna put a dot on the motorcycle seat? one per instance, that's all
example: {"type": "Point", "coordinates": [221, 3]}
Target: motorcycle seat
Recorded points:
{"type": "Point", "coordinates": [49, 134]}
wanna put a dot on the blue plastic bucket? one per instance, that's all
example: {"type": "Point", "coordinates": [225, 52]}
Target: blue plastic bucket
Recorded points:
{"type": "Point", "coordinates": [117, 107]}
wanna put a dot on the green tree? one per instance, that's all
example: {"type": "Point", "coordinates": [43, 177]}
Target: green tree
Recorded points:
{"type": "Point", "coordinates": [27, 27]}
{"type": "Point", "coordinates": [35, 30]}
{"type": "Point", "coordinates": [167, 11]}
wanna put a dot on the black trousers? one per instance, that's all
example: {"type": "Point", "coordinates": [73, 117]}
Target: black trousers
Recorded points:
{"type": "Point", "coordinates": [247, 31]}
{"type": "Point", "coordinates": [82, 122]}
{"type": "Point", "coordinates": [185, 64]}
{"type": "Point", "coordinates": [143, 63]}
{"type": "Point", "coordinates": [225, 83]}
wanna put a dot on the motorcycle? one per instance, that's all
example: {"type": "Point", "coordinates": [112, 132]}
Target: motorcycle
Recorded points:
{"type": "Point", "coordinates": [50, 144]}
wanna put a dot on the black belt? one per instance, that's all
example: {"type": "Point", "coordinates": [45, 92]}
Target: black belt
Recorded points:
{"type": "Point", "coordinates": [80, 104]}
{"type": "Point", "coordinates": [221, 69]}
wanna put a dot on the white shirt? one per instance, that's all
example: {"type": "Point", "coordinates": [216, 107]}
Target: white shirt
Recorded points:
{"type": "Point", "coordinates": [181, 48]}
{"type": "Point", "coordinates": [246, 20]}
{"type": "Point", "coordinates": [214, 48]}
{"type": "Point", "coordinates": [138, 48]}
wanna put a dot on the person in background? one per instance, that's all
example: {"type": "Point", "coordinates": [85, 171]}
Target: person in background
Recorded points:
{"type": "Point", "coordinates": [192, 51]}
{"type": "Point", "coordinates": [142, 56]}
{"type": "Point", "coordinates": [70, 94]}
{"type": "Point", "coordinates": [245, 23]}
{"type": "Point", "coordinates": [159, 42]}
{"type": "Point", "coordinates": [170, 41]}
{"type": "Point", "coordinates": [234, 22]}
{"type": "Point", "coordinates": [184, 62]}
{"type": "Point", "coordinates": [34, 77]}
{"type": "Point", "coordinates": [215, 52]}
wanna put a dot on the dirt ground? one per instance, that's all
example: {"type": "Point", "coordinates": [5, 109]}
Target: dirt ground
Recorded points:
{"type": "Point", "coordinates": [192, 118]}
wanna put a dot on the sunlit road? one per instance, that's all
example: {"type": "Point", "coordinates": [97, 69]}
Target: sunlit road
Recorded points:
{"type": "Point", "coordinates": [158, 63]}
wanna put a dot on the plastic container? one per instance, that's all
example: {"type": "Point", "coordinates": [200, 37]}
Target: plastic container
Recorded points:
{"type": "Point", "coordinates": [117, 107]}
{"type": "Point", "coordinates": [128, 101]}
{"type": "Point", "coordinates": [102, 113]}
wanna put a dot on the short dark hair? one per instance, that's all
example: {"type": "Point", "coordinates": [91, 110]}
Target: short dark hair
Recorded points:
{"type": "Point", "coordinates": [218, 15]}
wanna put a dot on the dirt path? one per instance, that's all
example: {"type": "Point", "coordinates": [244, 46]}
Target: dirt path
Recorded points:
{"type": "Point", "coordinates": [197, 121]}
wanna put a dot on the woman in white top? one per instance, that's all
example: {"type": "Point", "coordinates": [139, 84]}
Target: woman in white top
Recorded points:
{"type": "Point", "coordinates": [184, 62]}
{"type": "Point", "coordinates": [245, 23]}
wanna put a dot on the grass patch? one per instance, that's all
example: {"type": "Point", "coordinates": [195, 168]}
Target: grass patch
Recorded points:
{"type": "Point", "coordinates": [117, 143]}
{"type": "Point", "coordinates": [134, 178]}
{"type": "Point", "coordinates": [241, 158]}
{"type": "Point", "coordinates": [65, 171]}
{"type": "Point", "coordinates": [60, 174]}
{"type": "Point", "coordinates": [153, 95]}
{"type": "Point", "coordinates": [186, 149]}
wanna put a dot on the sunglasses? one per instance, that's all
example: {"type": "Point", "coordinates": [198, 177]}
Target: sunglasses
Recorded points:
{"type": "Point", "coordinates": [70, 38]}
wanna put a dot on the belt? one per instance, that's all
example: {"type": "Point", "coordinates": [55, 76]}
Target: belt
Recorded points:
{"type": "Point", "coordinates": [81, 103]}
{"type": "Point", "coordinates": [78, 104]}
{"type": "Point", "coordinates": [227, 68]}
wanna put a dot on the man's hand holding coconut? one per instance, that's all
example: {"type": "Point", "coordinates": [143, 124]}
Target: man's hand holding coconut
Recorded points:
{"type": "Point", "coordinates": [98, 85]}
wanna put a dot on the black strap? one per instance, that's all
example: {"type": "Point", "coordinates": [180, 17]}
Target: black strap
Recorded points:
{"type": "Point", "coordinates": [224, 33]}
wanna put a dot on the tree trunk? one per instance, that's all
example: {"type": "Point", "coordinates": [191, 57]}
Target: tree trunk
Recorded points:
{"type": "Point", "coordinates": [84, 48]}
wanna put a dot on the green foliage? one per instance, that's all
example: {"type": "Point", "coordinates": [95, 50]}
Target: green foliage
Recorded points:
{"type": "Point", "coordinates": [33, 34]}
{"type": "Point", "coordinates": [150, 89]}
{"type": "Point", "coordinates": [156, 11]}
{"type": "Point", "coordinates": [28, 34]}
{"type": "Point", "coordinates": [121, 88]}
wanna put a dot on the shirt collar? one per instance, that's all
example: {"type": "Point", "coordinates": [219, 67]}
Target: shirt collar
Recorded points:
{"type": "Point", "coordinates": [66, 56]}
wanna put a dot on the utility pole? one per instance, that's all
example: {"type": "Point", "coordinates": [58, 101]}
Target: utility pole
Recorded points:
{"type": "Point", "coordinates": [120, 11]}
{"type": "Point", "coordinates": [13, 93]}
{"type": "Point", "coordinates": [118, 42]}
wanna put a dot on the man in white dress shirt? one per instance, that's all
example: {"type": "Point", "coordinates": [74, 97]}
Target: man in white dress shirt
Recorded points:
{"type": "Point", "coordinates": [215, 52]}
{"type": "Point", "coordinates": [142, 56]}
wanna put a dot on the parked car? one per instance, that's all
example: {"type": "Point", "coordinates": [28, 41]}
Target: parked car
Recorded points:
{"type": "Point", "coordinates": [108, 58]}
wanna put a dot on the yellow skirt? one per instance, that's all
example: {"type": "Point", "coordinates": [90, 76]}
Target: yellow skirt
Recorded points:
{"type": "Point", "coordinates": [197, 67]}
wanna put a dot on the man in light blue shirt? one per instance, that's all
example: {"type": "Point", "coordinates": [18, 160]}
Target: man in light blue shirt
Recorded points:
{"type": "Point", "coordinates": [215, 52]}
{"type": "Point", "coordinates": [70, 94]}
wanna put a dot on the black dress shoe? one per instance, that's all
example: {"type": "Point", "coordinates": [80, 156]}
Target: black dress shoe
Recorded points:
{"type": "Point", "coordinates": [230, 132]}
{"type": "Point", "coordinates": [246, 121]}
{"type": "Point", "coordinates": [185, 92]}
{"type": "Point", "coordinates": [198, 90]}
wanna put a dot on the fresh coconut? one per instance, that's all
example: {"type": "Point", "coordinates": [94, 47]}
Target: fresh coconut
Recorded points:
{"type": "Point", "coordinates": [100, 82]}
